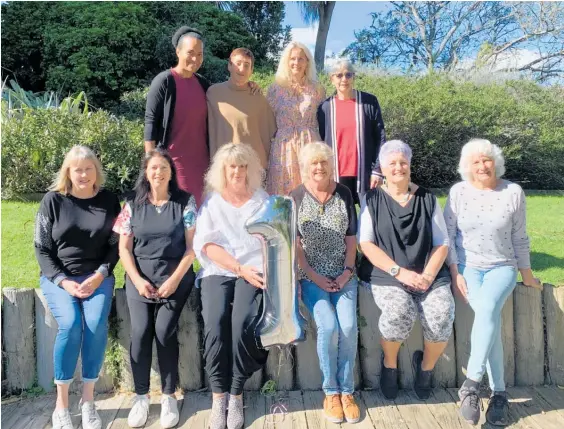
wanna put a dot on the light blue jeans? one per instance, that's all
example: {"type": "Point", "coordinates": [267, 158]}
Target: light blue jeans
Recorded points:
{"type": "Point", "coordinates": [337, 334]}
{"type": "Point", "coordinates": [487, 292]}
{"type": "Point", "coordinates": [83, 327]}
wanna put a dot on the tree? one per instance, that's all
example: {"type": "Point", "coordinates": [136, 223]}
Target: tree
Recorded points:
{"type": "Point", "coordinates": [263, 20]}
{"type": "Point", "coordinates": [321, 12]}
{"type": "Point", "coordinates": [444, 35]}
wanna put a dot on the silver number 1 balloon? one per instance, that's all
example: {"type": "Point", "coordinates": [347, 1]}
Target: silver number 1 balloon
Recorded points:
{"type": "Point", "coordinates": [275, 223]}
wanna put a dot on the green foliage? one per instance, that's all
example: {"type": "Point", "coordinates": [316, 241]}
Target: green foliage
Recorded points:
{"type": "Point", "coordinates": [35, 143]}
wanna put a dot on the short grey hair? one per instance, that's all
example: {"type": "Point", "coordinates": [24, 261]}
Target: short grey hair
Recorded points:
{"type": "Point", "coordinates": [484, 147]}
{"type": "Point", "coordinates": [192, 35]}
{"type": "Point", "coordinates": [315, 151]}
{"type": "Point", "coordinates": [342, 64]}
{"type": "Point", "coordinates": [394, 146]}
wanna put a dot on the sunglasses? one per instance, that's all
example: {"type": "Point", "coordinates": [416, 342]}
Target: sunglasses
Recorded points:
{"type": "Point", "coordinates": [348, 75]}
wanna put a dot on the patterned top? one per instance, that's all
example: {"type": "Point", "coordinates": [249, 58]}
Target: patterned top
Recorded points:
{"type": "Point", "coordinates": [296, 121]}
{"type": "Point", "coordinates": [487, 228]}
{"type": "Point", "coordinates": [322, 229]}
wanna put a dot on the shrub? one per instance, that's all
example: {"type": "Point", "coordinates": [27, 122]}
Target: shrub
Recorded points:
{"type": "Point", "coordinates": [35, 143]}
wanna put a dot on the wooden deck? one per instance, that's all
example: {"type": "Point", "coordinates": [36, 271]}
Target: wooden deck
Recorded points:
{"type": "Point", "coordinates": [531, 408]}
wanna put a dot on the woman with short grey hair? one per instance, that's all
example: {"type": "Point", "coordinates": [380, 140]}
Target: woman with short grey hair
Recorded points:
{"type": "Point", "coordinates": [486, 221]}
{"type": "Point", "coordinates": [404, 240]}
{"type": "Point", "coordinates": [350, 121]}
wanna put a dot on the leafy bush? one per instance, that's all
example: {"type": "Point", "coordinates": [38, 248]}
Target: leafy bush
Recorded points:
{"type": "Point", "coordinates": [35, 143]}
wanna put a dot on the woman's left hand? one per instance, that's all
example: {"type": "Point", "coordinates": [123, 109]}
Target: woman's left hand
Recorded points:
{"type": "Point", "coordinates": [255, 88]}
{"type": "Point", "coordinates": [88, 286]}
{"type": "Point", "coordinates": [375, 181]}
{"type": "Point", "coordinates": [343, 279]}
{"type": "Point", "coordinates": [167, 288]}
{"type": "Point", "coordinates": [533, 282]}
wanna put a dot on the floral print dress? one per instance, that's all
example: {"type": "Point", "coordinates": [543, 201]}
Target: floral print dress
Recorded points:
{"type": "Point", "coordinates": [296, 120]}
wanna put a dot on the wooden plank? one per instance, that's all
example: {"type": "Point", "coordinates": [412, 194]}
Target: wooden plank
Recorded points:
{"type": "Point", "coordinates": [313, 405]}
{"type": "Point", "coordinates": [365, 421]}
{"type": "Point", "coordinates": [285, 411]}
{"type": "Point", "coordinates": [120, 419]}
{"type": "Point", "coordinates": [414, 342]}
{"type": "Point", "coordinates": [526, 399]}
{"type": "Point", "coordinates": [45, 333]}
{"type": "Point", "coordinates": [548, 399]}
{"type": "Point", "coordinates": [18, 339]}
{"type": "Point", "coordinates": [414, 411]}
{"type": "Point", "coordinates": [280, 367]}
{"type": "Point", "coordinates": [445, 368]}
{"type": "Point", "coordinates": [554, 313]}
{"type": "Point", "coordinates": [256, 381]}
{"type": "Point", "coordinates": [529, 344]}
{"type": "Point", "coordinates": [36, 414]}
{"type": "Point", "coordinates": [508, 341]}
{"type": "Point", "coordinates": [383, 413]}
{"type": "Point", "coordinates": [190, 362]}
{"type": "Point", "coordinates": [444, 410]}
{"type": "Point", "coordinates": [255, 410]}
{"type": "Point", "coordinates": [370, 350]}
{"type": "Point", "coordinates": [308, 372]}
{"type": "Point", "coordinates": [463, 320]}
{"type": "Point", "coordinates": [195, 410]}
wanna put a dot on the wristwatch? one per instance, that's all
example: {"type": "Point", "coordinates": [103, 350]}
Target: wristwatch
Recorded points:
{"type": "Point", "coordinates": [394, 271]}
{"type": "Point", "coordinates": [351, 269]}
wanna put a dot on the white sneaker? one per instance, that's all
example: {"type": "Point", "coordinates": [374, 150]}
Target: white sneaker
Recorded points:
{"type": "Point", "coordinates": [90, 417]}
{"type": "Point", "coordinates": [62, 419]}
{"type": "Point", "coordinates": [139, 412]}
{"type": "Point", "coordinates": [169, 411]}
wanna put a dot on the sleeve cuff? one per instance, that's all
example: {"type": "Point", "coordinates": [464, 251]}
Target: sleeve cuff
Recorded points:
{"type": "Point", "coordinates": [103, 270]}
{"type": "Point", "coordinates": [58, 279]}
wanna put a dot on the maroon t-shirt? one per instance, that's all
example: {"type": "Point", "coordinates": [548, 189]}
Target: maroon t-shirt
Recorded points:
{"type": "Point", "coordinates": [187, 145]}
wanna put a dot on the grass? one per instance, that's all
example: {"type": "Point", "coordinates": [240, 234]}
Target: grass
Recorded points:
{"type": "Point", "coordinates": [545, 225]}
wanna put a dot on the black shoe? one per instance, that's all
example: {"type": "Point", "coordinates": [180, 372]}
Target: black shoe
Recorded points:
{"type": "Point", "coordinates": [470, 401]}
{"type": "Point", "coordinates": [423, 379]}
{"type": "Point", "coordinates": [389, 382]}
{"type": "Point", "coordinates": [498, 410]}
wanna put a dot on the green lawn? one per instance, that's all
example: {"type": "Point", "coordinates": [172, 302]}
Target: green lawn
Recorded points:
{"type": "Point", "coordinates": [545, 224]}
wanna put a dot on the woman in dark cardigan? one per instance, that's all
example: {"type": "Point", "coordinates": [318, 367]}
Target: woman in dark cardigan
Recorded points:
{"type": "Point", "coordinates": [350, 121]}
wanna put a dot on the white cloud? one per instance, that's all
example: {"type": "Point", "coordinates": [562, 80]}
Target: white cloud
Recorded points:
{"type": "Point", "coordinates": [305, 35]}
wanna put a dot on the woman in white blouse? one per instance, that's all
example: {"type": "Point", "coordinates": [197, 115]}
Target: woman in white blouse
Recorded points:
{"type": "Point", "coordinates": [231, 279]}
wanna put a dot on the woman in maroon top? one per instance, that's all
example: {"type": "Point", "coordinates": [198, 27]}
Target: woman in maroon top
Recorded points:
{"type": "Point", "coordinates": [176, 112]}
{"type": "Point", "coordinates": [350, 121]}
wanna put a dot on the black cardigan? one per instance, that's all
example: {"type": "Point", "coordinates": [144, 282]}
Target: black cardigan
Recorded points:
{"type": "Point", "coordinates": [370, 132]}
{"type": "Point", "coordinates": [159, 110]}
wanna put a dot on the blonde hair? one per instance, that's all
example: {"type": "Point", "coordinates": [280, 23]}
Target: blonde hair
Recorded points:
{"type": "Point", "coordinates": [241, 154]}
{"type": "Point", "coordinates": [62, 182]}
{"type": "Point", "coordinates": [283, 76]}
{"type": "Point", "coordinates": [315, 151]}
{"type": "Point", "coordinates": [484, 147]}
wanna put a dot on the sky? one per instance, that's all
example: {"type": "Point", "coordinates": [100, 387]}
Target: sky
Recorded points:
{"type": "Point", "coordinates": [348, 16]}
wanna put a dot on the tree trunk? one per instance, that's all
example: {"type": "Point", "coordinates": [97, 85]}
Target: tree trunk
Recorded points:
{"type": "Point", "coordinates": [325, 13]}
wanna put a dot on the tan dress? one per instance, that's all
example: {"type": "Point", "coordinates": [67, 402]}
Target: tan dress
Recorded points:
{"type": "Point", "coordinates": [296, 121]}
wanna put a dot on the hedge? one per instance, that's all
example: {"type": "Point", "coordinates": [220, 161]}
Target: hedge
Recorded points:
{"type": "Point", "coordinates": [434, 114]}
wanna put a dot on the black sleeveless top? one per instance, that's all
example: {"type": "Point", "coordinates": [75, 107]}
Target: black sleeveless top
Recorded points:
{"type": "Point", "coordinates": [159, 244]}
{"type": "Point", "coordinates": [405, 234]}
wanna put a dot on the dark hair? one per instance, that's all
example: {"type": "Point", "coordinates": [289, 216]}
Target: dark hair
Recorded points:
{"type": "Point", "coordinates": [186, 31]}
{"type": "Point", "coordinates": [243, 52]}
{"type": "Point", "coordinates": [143, 188]}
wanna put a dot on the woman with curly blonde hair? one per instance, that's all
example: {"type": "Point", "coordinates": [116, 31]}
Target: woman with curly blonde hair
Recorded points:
{"type": "Point", "coordinates": [231, 279]}
{"type": "Point", "coordinates": [294, 98]}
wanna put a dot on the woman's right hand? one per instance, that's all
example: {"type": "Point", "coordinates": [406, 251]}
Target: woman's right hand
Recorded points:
{"type": "Point", "coordinates": [252, 276]}
{"type": "Point", "coordinates": [459, 286]}
{"type": "Point", "coordinates": [408, 278]}
{"type": "Point", "coordinates": [325, 283]}
{"type": "Point", "coordinates": [74, 289]}
{"type": "Point", "coordinates": [146, 289]}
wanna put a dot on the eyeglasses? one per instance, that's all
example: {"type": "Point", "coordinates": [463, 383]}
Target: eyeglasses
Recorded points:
{"type": "Point", "coordinates": [348, 75]}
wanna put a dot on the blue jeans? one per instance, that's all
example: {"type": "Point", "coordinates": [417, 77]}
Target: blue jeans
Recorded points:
{"type": "Point", "coordinates": [487, 292]}
{"type": "Point", "coordinates": [335, 316]}
{"type": "Point", "coordinates": [83, 327]}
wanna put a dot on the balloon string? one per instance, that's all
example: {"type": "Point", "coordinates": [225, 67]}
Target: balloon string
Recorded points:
{"type": "Point", "coordinates": [280, 408]}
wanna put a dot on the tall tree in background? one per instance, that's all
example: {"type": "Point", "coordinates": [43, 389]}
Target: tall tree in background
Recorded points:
{"type": "Point", "coordinates": [263, 20]}
{"type": "Point", "coordinates": [415, 36]}
{"type": "Point", "coordinates": [320, 12]}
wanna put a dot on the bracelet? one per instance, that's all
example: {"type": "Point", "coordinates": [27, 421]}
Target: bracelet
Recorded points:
{"type": "Point", "coordinates": [351, 269]}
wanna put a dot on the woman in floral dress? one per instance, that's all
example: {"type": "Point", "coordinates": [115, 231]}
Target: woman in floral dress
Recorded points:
{"type": "Point", "coordinates": [294, 98]}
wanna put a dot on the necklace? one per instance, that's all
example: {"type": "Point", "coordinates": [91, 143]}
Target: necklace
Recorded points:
{"type": "Point", "coordinates": [404, 200]}
{"type": "Point", "coordinates": [159, 207]}
{"type": "Point", "coordinates": [323, 202]}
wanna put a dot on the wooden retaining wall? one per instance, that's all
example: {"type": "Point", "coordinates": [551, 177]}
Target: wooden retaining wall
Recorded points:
{"type": "Point", "coordinates": [532, 329]}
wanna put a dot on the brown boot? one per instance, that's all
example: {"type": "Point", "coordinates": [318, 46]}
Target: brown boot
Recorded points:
{"type": "Point", "coordinates": [350, 408]}
{"type": "Point", "coordinates": [333, 409]}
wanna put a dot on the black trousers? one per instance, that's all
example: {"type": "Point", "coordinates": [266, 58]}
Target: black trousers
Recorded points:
{"type": "Point", "coordinates": [232, 351]}
{"type": "Point", "coordinates": [350, 182]}
{"type": "Point", "coordinates": [160, 321]}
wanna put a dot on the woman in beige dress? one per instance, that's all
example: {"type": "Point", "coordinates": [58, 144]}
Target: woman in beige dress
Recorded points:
{"type": "Point", "coordinates": [294, 98]}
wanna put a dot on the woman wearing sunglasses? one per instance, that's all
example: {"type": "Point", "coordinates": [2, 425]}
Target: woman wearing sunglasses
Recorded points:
{"type": "Point", "coordinates": [350, 121]}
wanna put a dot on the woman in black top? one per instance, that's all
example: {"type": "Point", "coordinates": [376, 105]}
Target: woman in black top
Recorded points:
{"type": "Point", "coordinates": [77, 252]}
{"type": "Point", "coordinates": [156, 228]}
{"type": "Point", "coordinates": [405, 243]}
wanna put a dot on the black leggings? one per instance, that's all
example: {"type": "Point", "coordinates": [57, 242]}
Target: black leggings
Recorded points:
{"type": "Point", "coordinates": [150, 320]}
{"type": "Point", "coordinates": [232, 351]}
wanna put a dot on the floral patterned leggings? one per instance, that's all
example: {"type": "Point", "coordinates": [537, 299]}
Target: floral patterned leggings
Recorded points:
{"type": "Point", "coordinates": [400, 309]}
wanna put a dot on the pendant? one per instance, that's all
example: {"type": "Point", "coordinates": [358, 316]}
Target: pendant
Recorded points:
{"type": "Point", "coordinates": [322, 209]}
{"type": "Point", "coordinates": [159, 209]}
